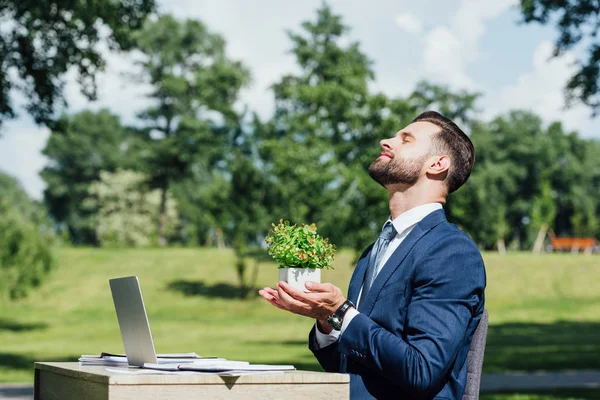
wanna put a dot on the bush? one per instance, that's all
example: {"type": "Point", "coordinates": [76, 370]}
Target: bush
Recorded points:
{"type": "Point", "coordinates": [25, 252]}
{"type": "Point", "coordinates": [128, 210]}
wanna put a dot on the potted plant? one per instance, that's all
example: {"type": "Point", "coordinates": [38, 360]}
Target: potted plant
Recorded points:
{"type": "Point", "coordinates": [300, 252]}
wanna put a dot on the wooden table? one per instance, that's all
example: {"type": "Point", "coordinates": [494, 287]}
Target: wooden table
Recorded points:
{"type": "Point", "coordinates": [69, 380]}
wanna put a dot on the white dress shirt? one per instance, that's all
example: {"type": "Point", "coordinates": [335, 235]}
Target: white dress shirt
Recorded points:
{"type": "Point", "coordinates": [404, 224]}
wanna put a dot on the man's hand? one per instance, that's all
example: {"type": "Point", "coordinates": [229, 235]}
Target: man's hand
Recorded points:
{"type": "Point", "coordinates": [322, 300]}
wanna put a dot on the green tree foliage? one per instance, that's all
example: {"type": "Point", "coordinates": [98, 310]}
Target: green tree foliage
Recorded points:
{"type": "Point", "coordinates": [194, 88]}
{"type": "Point", "coordinates": [460, 107]}
{"type": "Point", "coordinates": [250, 204]}
{"type": "Point", "coordinates": [311, 144]}
{"type": "Point", "coordinates": [79, 148]}
{"type": "Point", "coordinates": [232, 175]}
{"type": "Point", "coordinates": [25, 241]}
{"type": "Point", "coordinates": [576, 22]}
{"type": "Point", "coordinates": [526, 175]}
{"type": "Point", "coordinates": [127, 209]}
{"type": "Point", "coordinates": [41, 40]}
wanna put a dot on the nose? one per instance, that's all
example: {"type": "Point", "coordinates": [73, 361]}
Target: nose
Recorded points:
{"type": "Point", "coordinates": [384, 143]}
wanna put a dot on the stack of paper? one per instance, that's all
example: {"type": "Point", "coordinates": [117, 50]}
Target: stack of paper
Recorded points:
{"type": "Point", "coordinates": [184, 363]}
{"type": "Point", "coordinates": [222, 367]}
{"type": "Point", "coordinates": [116, 360]}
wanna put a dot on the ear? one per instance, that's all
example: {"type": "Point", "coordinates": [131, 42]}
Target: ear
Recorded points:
{"type": "Point", "coordinates": [439, 165]}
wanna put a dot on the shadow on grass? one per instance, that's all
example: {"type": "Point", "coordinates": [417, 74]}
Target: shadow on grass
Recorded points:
{"type": "Point", "coordinates": [219, 290]}
{"type": "Point", "coordinates": [25, 362]}
{"type": "Point", "coordinates": [549, 347]}
{"type": "Point", "coordinates": [14, 326]}
{"type": "Point", "coordinates": [562, 394]}
{"type": "Point", "coordinates": [16, 361]}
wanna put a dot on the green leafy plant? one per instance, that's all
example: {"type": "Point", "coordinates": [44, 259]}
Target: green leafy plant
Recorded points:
{"type": "Point", "coordinates": [295, 246]}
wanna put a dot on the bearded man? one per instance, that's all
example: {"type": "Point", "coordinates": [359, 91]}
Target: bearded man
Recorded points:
{"type": "Point", "coordinates": [417, 293]}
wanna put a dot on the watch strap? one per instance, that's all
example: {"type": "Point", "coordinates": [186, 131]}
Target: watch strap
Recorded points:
{"type": "Point", "coordinates": [343, 308]}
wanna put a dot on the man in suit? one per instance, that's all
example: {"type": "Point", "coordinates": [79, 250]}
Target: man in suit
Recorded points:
{"type": "Point", "coordinates": [417, 294]}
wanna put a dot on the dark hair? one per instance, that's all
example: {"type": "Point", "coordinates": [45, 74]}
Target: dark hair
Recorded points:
{"type": "Point", "coordinates": [452, 141]}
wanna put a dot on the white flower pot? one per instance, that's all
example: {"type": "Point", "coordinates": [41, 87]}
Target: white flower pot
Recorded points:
{"type": "Point", "coordinates": [296, 277]}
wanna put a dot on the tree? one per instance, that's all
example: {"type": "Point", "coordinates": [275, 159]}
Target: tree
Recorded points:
{"type": "Point", "coordinates": [195, 88]}
{"type": "Point", "coordinates": [543, 213]}
{"type": "Point", "coordinates": [26, 241]}
{"type": "Point", "coordinates": [576, 22]}
{"type": "Point", "coordinates": [459, 107]}
{"type": "Point", "coordinates": [250, 204]}
{"type": "Point", "coordinates": [79, 148]}
{"type": "Point", "coordinates": [311, 144]}
{"type": "Point", "coordinates": [41, 40]}
{"type": "Point", "coordinates": [202, 198]}
{"type": "Point", "coordinates": [127, 209]}
{"type": "Point", "coordinates": [527, 178]}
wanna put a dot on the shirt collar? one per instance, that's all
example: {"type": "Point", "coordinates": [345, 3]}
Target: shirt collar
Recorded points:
{"type": "Point", "coordinates": [413, 216]}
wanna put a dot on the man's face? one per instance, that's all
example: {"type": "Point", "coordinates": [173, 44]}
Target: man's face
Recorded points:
{"type": "Point", "coordinates": [403, 156]}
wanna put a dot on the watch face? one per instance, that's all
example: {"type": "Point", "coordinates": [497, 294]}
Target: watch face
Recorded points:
{"type": "Point", "coordinates": [335, 322]}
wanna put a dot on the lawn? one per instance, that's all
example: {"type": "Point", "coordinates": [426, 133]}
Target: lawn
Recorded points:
{"type": "Point", "coordinates": [544, 311]}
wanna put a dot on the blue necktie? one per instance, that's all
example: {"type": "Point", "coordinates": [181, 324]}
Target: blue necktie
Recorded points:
{"type": "Point", "coordinates": [381, 244]}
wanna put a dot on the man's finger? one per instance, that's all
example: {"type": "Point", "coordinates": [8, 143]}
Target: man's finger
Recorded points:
{"type": "Point", "coordinates": [272, 297]}
{"type": "Point", "coordinates": [268, 293]}
{"type": "Point", "coordinates": [276, 304]}
{"type": "Point", "coordinates": [319, 287]}
{"type": "Point", "coordinates": [297, 294]}
{"type": "Point", "coordinates": [271, 291]}
{"type": "Point", "coordinates": [291, 303]}
{"type": "Point", "coordinates": [265, 295]}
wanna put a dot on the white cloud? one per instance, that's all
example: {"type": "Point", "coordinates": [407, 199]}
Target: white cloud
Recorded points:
{"type": "Point", "coordinates": [444, 58]}
{"type": "Point", "coordinates": [541, 91]}
{"type": "Point", "coordinates": [20, 154]}
{"type": "Point", "coordinates": [450, 49]}
{"type": "Point", "coordinates": [409, 23]}
{"type": "Point", "coordinates": [472, 15]}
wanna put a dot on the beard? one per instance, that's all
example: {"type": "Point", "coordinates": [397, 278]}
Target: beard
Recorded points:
{"type": "Point", "coordinates": [397, 170]}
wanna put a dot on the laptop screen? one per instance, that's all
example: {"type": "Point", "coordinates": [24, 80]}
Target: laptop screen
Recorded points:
{"type": "Point", "coordinates": [133, 321]}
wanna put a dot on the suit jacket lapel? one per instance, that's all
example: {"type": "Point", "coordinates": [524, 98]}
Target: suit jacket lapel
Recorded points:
{"type": "Point", "coordinates": [358, 276]}
{"type": "Point", "coordinates": [426, 224]}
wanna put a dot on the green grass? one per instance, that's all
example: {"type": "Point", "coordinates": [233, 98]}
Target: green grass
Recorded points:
{"type": "Point", "coordinates": [571, 394]}
{"type": "Point", "coordinates": [544, 311]}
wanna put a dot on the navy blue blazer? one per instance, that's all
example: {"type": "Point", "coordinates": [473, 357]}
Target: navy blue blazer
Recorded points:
{"type": "Point", "coordinates": [412, 336]}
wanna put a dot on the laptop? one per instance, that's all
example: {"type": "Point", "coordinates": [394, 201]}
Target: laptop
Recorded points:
{"type": "Point", "coordinates": [134, 325]}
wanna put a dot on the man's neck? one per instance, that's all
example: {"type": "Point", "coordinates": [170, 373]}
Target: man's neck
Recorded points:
{"type": "Point", "coordinates": [405, 198]}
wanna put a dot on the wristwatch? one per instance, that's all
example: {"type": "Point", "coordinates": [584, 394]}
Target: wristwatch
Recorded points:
{"type": "Point", "coordinates": [335, 319]}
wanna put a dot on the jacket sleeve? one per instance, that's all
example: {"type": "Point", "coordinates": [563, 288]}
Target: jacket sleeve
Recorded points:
{"type": "Point", "coordinates": [448, 286]}
{"type": "Point", "coordinates": [328, 356]}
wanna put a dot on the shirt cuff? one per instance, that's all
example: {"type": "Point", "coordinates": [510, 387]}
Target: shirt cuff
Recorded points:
{"type": "Point", "coordinates": [325, 339]}
{"type": "Point", "coordinates": [350, 314]}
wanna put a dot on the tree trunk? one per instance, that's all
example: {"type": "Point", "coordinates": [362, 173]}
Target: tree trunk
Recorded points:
{"type": "Point", "coordinates": [501, 246]}
{"type": "Point", "coordinates": [220, 239]}
{"type": "Point", "coordinates": [538, 245]}
{"type": "Point", "coordinates": [253, 279]}
{"type": "Point", "coordinates": [162, 224]}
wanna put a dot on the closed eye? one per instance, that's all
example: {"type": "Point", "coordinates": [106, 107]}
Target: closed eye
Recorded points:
{"type": "Point", "coordinates": [407, 137]}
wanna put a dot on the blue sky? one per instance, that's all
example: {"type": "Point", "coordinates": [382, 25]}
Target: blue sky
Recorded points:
{"type": "Point", "coordinates": [466, 44]}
